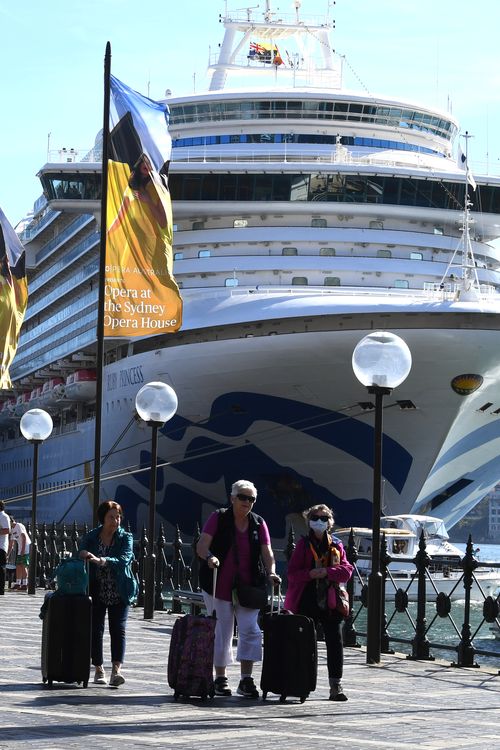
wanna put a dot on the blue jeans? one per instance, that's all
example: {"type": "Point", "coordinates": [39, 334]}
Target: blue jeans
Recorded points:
{"type": "Point", "coordinates": [117, 621]}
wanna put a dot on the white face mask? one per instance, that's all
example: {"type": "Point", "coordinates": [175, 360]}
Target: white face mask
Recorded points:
{"type": "Point", "coordinates": [318, 525]}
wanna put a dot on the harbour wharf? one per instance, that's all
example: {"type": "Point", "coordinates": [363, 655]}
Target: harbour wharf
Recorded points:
{"type": "Point", "coordinates": [399, 703]}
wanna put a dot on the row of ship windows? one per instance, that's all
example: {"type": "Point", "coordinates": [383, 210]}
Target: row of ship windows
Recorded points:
{"type": "Point", "coordinates": [233, 281]}
{"type": "Point", "coordinates": [332, 187]}
{"type": "Point", "coordinates": [246, 109]}
{"type": "Point", "coordinates": [212, 140]}
{"type": "Point", "coordinates": [325, 251]}
{"type": "Point", "coordinates": [323, 187]}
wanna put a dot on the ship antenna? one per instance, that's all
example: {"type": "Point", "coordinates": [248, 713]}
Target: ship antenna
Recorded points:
{"type": "Point", "coordinates": [468, 288]}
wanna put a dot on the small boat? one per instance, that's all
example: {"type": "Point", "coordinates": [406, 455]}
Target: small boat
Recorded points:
{"type": "Point", "coordinates": [81, 386]}
{"type": "Point", "coordinates": [402, 534]}
{"type": "Point", "coordinates": [22, 404]}
{"type": "Point", "coordinates": [53, 391]}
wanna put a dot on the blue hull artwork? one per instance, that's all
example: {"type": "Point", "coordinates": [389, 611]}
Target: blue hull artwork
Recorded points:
{"type": "Point", "coordinates": [282, 490]}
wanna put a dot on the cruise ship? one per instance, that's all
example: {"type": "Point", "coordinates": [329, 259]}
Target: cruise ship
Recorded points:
{"type": "Point", "coordinates": [306, 216]}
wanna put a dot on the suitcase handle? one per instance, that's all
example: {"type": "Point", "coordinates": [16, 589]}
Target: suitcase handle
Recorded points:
{"type": "Point", "coordinates": [278, 605]}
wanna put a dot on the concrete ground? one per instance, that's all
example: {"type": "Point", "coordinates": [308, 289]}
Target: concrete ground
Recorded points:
{"type": "Point", "coordinates": [399, 704]}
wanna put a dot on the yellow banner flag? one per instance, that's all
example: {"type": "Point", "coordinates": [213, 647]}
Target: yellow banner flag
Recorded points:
{"type": "Point", "coordinates": [141, 296]}
{"type": "Point", "coordinates": [13, 296]}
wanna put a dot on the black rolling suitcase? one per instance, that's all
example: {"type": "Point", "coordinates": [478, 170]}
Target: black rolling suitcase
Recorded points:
{"type": "Point", "coordinates": [290, 662]}
{"type": "Point", "coordinates": [66, 639]}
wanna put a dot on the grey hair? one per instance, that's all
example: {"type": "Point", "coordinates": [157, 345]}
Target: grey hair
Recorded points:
{"type": "Point", "coordinates": [243, 484]}
{"type": "Point", "coordinates": [319, 510]}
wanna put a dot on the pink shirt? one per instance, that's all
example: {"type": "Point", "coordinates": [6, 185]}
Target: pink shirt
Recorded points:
{"type": "Point", "coordinates": [227, 572]}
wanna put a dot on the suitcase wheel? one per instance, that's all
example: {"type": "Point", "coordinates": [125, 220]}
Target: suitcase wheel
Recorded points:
{"type": "Point", "coordinates": [264, 695]}
{"type": "Point", "coordinates": [302, 698]}
{"type": "Point", "coordinates": [49, 683]}
{"type": "Point", "coordinates": [282, 698]}
{"type": "Point", "coordinates": [85, 683]}
{"type": "Point", "coordinates": [44, 680]}
{"type": "Point", "coordinates": [176, 696]}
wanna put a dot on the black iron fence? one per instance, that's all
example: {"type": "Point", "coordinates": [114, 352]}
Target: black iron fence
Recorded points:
{"type": "Point", "coordinates": [471, 624]}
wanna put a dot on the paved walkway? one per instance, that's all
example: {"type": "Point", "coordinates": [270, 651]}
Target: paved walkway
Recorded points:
{"type": "Point", "coordinates": [399, 705]}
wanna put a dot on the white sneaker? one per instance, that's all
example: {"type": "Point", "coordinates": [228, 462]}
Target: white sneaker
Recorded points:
{"type": "Point", "coordinates": [116, 679]}
{"type": "Point", "coordinates": [99, 677]}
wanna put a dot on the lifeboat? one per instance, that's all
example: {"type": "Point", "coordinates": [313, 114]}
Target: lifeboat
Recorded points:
{"type": "Point", "coordinates": [22, 404]}
{"type": "Point", "coordinates": [35, 397]}
{"type": "Point", "coordinates": [81, 385]}
{"type": "Point", "coordinates": [7, 411]}
{"type": "Point", "coordinates": [53, 391]}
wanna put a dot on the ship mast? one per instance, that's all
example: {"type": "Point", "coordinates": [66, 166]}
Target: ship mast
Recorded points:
{"type": "Point", "coordinates": [468, 288]}
{"type": "Point", "coordinates": [277, 47]}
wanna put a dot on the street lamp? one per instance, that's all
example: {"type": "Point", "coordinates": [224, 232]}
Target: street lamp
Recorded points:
{"type": "Point", "coordinates": [156, 403]}
{"type": "Point", "coordinates": [381, 361]}
{"type": "Point", "coordinates": [36, 426]}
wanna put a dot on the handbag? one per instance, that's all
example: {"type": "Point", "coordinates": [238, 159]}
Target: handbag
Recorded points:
{"type": "Point", "coordinates": [338, 599]}
{"type": "Point", "coordinates": [253, 597]}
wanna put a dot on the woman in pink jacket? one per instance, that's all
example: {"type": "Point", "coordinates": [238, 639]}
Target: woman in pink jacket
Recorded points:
{"type": "Point", "coordinates": [318, 562]}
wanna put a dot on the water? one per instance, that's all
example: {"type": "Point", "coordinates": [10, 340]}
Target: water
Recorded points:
{"type": "Point", "coordinates": [445, 631]}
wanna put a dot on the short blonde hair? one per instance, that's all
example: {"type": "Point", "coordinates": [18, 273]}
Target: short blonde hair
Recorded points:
{"type": "Point", "coordinates": [243, 484]}
{"type": "Point", "coordinates": [319, 510]}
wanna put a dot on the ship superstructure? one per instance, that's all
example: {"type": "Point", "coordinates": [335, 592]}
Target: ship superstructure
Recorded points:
{"type": "Point", "coordinates": [305, 217]}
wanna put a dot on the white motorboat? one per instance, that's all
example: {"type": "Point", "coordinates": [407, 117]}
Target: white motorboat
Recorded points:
{"type": "Point", "coordinates": [445, 573]}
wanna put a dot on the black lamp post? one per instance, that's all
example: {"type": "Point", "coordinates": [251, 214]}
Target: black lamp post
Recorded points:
{"type": "Point", "coordinates": [381, 361]}
{"type": "Point", "coordinates": [156, 403]}
{"type": "Point", "coordinates": [36, 426]}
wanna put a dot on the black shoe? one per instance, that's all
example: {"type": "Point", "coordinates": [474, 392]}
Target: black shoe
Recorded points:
{"type": "Point", "coordinates": [221, 687]}
{"type": "Point", "coordinates": [337, 692]}
{"type": "Point", "coordinates": [247, 688]}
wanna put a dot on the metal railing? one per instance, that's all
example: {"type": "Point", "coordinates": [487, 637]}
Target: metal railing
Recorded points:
{"type": "Point", "coordinates": [177, 590]}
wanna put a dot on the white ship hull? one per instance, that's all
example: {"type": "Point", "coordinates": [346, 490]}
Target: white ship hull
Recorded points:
{"type": "Point", "coordinates": [306, 216]}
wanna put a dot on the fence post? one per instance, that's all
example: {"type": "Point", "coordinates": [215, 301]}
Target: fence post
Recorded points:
{"type": "Point", "coordinates": [350, 634]}
{"type": "Point", "coordinates": [42, 546]}
{"type": "Point", "coordinates": [385, 559]}
{"type": "Point", "coordinates": [177, 546]}
{"type": "Point", "coordinates": [465, 649]}
{"type": "Point", "coordinates": [420, 644]}
{"type": "Point", "coordinates": [143, 551]}
{"type": "Point", "coordinates": [160, 569]}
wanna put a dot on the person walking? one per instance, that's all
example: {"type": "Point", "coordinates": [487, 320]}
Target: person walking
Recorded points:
{"type": "Point", "coordinates": [113, 588]}
{"type": "Point", "coordinates": [318, 562]}
{"type": "Point", "coordinates": [4, 544]}
{"type": "Point", "coordinates": [19, 535]}
{"type": "Point", "coordinates": [236, 541]}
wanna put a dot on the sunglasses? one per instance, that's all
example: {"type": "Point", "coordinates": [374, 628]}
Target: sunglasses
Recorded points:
{"type": "Point", "coordinates": [247, 498]}
{"type": "Point", "coordinates": [319, 518]}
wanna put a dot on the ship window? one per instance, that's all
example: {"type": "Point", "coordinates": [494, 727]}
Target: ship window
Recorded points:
{"type": "Point", "coordinates": [416, 256]}
{"type": "Point", "coordinates": [327, 251]}
{"type": "Point", "coordinates": [384, 254]}
{"type": "Point", "coordinates": [401, 284]}
{"type": "Point", "coordinates": [178, 256]}
{"type": "Point", "coordinates": [289, 251]}
{"type": "Point", "coordinates": [231, 282]}
{"type": "Point", "coordinates": [240, 223]}
{"type": "Point", "coordinates": [198, 225]}
{"type": "Point", "coordinates": [318, 222]}
{"type": "Point", "coordinates": [438, 230]}
{"type": "Point", "coordinates": [376, 224]}
{"type": "Point", "coordinates": [331, 281]}
{"type": "Point", "coordinates": [300, 281]}
{"type": "Point", "coordinates": [204, 254]}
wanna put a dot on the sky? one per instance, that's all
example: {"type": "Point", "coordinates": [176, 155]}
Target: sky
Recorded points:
{"type": "Point", "coordinates": [442, 53]}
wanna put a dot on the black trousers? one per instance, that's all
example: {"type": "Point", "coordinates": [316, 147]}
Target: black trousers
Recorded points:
{"type": "Point", "coordinates": [331, 622]}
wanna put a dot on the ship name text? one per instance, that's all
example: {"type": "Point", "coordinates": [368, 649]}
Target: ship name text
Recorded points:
{"type": "Point", "coordinates": [130, 376]}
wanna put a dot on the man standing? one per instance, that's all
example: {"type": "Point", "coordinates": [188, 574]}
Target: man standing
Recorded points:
{"type": "Point", "coordinates": [4, 544]}
{"type": "Point", "coordinates": [19, 534]}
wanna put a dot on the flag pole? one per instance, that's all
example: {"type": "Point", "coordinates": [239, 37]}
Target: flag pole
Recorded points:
{"type": "Point", "coordinates": [100, 300]}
